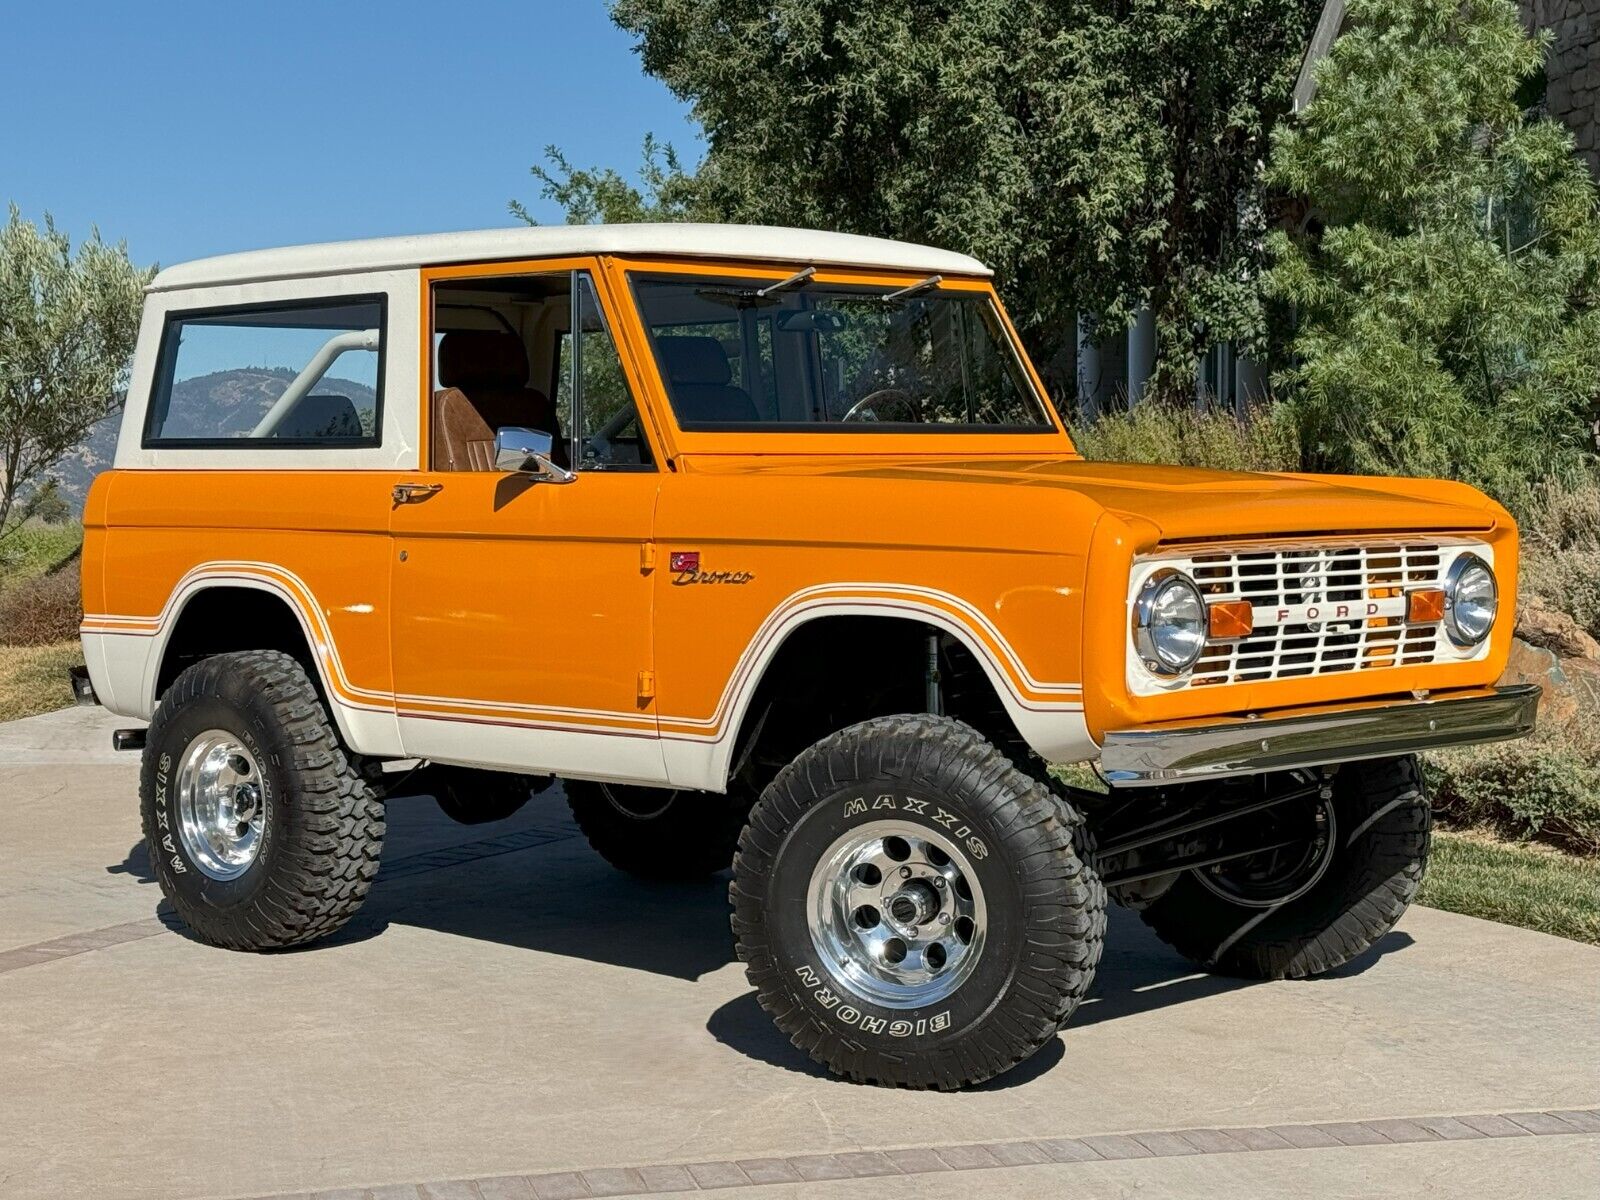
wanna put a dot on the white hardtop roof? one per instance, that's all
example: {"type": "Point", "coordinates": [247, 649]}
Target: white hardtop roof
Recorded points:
{"type": "Point", "coordinates": [767, 243]}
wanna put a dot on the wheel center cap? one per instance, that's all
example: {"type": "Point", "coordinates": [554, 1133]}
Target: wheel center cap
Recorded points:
{"type": "Point", "coordinates": [246, 799]}
{"type": "Point", "coordinates": [913, 904]}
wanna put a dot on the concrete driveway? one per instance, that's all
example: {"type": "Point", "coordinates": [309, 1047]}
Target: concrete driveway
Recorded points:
{"type": "Point", "coordinates": [510, 1018]}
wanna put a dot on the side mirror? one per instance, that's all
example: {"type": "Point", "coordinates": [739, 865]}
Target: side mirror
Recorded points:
{"type": "Point", "coordinates": [528, 452]}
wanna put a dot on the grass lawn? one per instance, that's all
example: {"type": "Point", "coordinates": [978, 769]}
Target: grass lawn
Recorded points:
{"type": "Point", "coordinates": [36, 548]}
{"type": "Point", "coordinates": [33, 679]}
{"type": "Point", "coordinates": [1514, 883]}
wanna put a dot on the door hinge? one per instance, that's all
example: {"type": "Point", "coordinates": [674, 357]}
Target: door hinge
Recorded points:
{"type": "Point", "coordinates": [647, 685]}
{"type": "Point", "coordinates": [647, 557]}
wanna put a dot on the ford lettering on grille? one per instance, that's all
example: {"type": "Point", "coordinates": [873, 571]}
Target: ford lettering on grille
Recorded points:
{"type": "Point", "coordinates": [1317, 608]}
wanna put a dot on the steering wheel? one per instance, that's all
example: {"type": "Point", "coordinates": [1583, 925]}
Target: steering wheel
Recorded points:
{"type": "Point", "coordinates": [866, 408]}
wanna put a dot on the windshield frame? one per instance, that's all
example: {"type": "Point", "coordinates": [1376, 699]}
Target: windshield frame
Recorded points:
{"type": "Point", "coordinates": [1048, 439]}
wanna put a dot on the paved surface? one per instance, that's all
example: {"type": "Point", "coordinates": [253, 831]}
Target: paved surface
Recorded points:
{"type": "Point", "coordinates": [509, 1018]}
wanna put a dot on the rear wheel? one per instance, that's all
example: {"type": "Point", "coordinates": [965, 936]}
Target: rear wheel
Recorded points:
{"type": "Point", "coordinates": [910, 907]}
{"type": "Point", "coordinates": [1342, 871]}
{"type": "Point", "coordinates": [659, 833]}
{"type": "Point", "coordinates": [474, 797]}
{"type": "Point", "coordinates": [261, 832]}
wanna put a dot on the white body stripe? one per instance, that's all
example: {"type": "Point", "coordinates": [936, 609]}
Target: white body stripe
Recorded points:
{"type": "Point", "coordinates": [125, 655]}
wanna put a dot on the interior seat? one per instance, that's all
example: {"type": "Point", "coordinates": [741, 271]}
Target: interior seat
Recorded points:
{"type": "Point", "coordinates": [701, 381]}
{"type": "Point", "coordinates": [483, 379]}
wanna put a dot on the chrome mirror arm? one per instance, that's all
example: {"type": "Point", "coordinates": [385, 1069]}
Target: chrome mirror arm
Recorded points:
{"type": "Point", "coordinates": [529, 452]}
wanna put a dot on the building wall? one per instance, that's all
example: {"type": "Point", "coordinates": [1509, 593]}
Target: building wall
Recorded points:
{"type": "Point", "coordinates": [1572, 70]}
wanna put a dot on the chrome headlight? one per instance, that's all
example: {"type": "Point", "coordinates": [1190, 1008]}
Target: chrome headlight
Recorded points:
{"type": "Point", "coordinates": [1471, 600]}
{"type": "Point", "coordinates": [1169, 623]}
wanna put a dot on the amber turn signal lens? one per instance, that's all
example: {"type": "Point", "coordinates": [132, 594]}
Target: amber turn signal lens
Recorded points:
{"type": "Point", "coordinates": [1425, 605]}
{"type": "Point", "coordinates": [1231, 619]}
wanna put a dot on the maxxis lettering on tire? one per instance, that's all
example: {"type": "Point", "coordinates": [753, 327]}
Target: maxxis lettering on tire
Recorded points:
{"type": "Point", "coordinates": [911, 805]}
{"type": "Point", "coordinates": [1044, 915]}
{"type": "Point", "coordinates": [323, 827]}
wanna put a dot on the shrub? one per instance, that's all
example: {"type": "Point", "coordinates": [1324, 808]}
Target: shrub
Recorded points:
{"type": "Point", "coordinates": [1546, 787]}
{"type": "Point", "coordinates": [41, 611]}
{"type": "Point", "coordinates": [1561, 550]}
{"type": "Point", "coordinates": [1265, 440]}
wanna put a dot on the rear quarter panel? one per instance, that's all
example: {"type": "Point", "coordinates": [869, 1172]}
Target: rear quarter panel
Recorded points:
{"type": "Point", "coordinates": [318, 539]}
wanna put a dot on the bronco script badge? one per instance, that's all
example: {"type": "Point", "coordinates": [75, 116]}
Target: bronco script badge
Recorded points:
{"type": "Point", "coordinates": [685, 568]}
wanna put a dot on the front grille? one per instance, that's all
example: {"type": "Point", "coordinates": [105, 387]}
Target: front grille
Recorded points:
{"type": "Point", "coordinates": [1325, 574]}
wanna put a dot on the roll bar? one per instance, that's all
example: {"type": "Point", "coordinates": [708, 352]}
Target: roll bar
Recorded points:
{"type": "Point", "coordinates": [301, 385]}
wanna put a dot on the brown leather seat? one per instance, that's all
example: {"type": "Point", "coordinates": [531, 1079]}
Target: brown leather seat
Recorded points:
{"type": "Point", "coordinates": [483, 377]}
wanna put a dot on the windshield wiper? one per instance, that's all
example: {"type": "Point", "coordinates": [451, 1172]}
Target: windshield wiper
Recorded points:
{"type": "Point", "coordinates": [749, 296]}
{"type": "Point", "coordinates": [798, 279]}
{"type": "Point", "coordinates": [916, 289]}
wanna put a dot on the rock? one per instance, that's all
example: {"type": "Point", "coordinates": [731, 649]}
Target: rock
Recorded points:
{"type": "Point", "coordinates": [1571, 686]}
{"type": "Point", "coordinates": [1551, 630]}
{"type": "Point", "coordinates": [1534, 664]}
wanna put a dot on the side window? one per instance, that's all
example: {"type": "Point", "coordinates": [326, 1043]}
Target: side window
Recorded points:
{"type": "Point", "coordinates": [309, 373]}
{"type": "Point", "coordinates": [604, 421]}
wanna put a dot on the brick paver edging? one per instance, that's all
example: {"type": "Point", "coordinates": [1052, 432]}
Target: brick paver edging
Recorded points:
{"type": "Point", "coordinates": [925, 1160]}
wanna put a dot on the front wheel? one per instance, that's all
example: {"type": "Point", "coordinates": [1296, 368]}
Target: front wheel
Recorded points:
{"type": "Point", "coordinates": [910, 906]}
{"type": "Point", "coordinates": [261, 832]}
{"type": "Point", "coordinates": [1346, 870]}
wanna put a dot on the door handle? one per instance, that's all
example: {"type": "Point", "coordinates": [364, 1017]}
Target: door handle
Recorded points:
{"type": "Point", "coordinates": [410, 493]}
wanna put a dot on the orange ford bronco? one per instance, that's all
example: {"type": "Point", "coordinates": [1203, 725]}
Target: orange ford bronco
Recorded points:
{"type": "Point", "coordinates": [769, 545]}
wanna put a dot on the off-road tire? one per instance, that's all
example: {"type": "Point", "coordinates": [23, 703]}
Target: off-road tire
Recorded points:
{"type": "Point", "coordinates": [1046, 914]}
{"type": "Point", "coordinates": [474, 797]}
{"type": "Point", "coordinates": [1382, 825]}
{"type": "Point", "coordinates": [324, 825]}
{"type": "Point", "coordinates": [659, 833]}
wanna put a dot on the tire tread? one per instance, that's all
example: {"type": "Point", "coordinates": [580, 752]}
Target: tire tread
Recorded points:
{"type": "Point", "coordinates": [324, 874]}
{"type": "Point", "coordinates": [1379, 881]}
{"type": "Point", "coordinates": [1065, 902]}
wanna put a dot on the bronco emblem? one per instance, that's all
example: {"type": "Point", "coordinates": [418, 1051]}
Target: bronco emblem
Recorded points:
{"type": "Point", "coordinates": [685, 568]}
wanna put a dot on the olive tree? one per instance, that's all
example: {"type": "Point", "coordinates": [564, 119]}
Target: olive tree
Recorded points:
{"type": "Point", "coordinates": [1445, 293]}
{"type": "Point", "coordinates": [67, 327]}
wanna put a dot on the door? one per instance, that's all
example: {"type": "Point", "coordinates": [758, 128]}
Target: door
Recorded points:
{"type": "Point", "coordinates": [522, 608]}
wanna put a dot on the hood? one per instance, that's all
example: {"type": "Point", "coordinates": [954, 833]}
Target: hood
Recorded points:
{"type": "Point", "coordinates": [1190, 503]}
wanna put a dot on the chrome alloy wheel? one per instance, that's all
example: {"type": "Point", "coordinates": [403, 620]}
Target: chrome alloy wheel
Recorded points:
{"type": "Point", "coordinates": [221, 805]}
{"type": "Point", "coordinates": [897, 914]}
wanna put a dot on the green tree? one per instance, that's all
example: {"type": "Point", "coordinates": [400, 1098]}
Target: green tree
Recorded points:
{"type": "Point", "coordinates": [1445, 293]}
{"type": "Point", "coordinates": [67, 328]}
{"type": "Point", "coordinates": [665, 192]}
{"type": "Point", "coordinates": [47, 504]}
{"type": "Point", "coordinates": [1101, 155]}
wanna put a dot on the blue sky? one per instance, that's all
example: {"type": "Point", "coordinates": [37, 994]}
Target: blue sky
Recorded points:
{"type": "Point", "coordinates": [200, 128]}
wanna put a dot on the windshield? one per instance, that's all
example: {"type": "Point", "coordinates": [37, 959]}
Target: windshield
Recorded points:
{"type": "Point", "coordinates": [814, 357]}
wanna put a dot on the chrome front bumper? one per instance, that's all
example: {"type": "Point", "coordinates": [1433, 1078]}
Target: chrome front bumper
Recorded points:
{"type": "Point", "coordinates": [1183, 751]}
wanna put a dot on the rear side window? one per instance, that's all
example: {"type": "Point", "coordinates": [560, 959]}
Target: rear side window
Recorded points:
{"type": "Point", "coordinates": [306, 373]}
